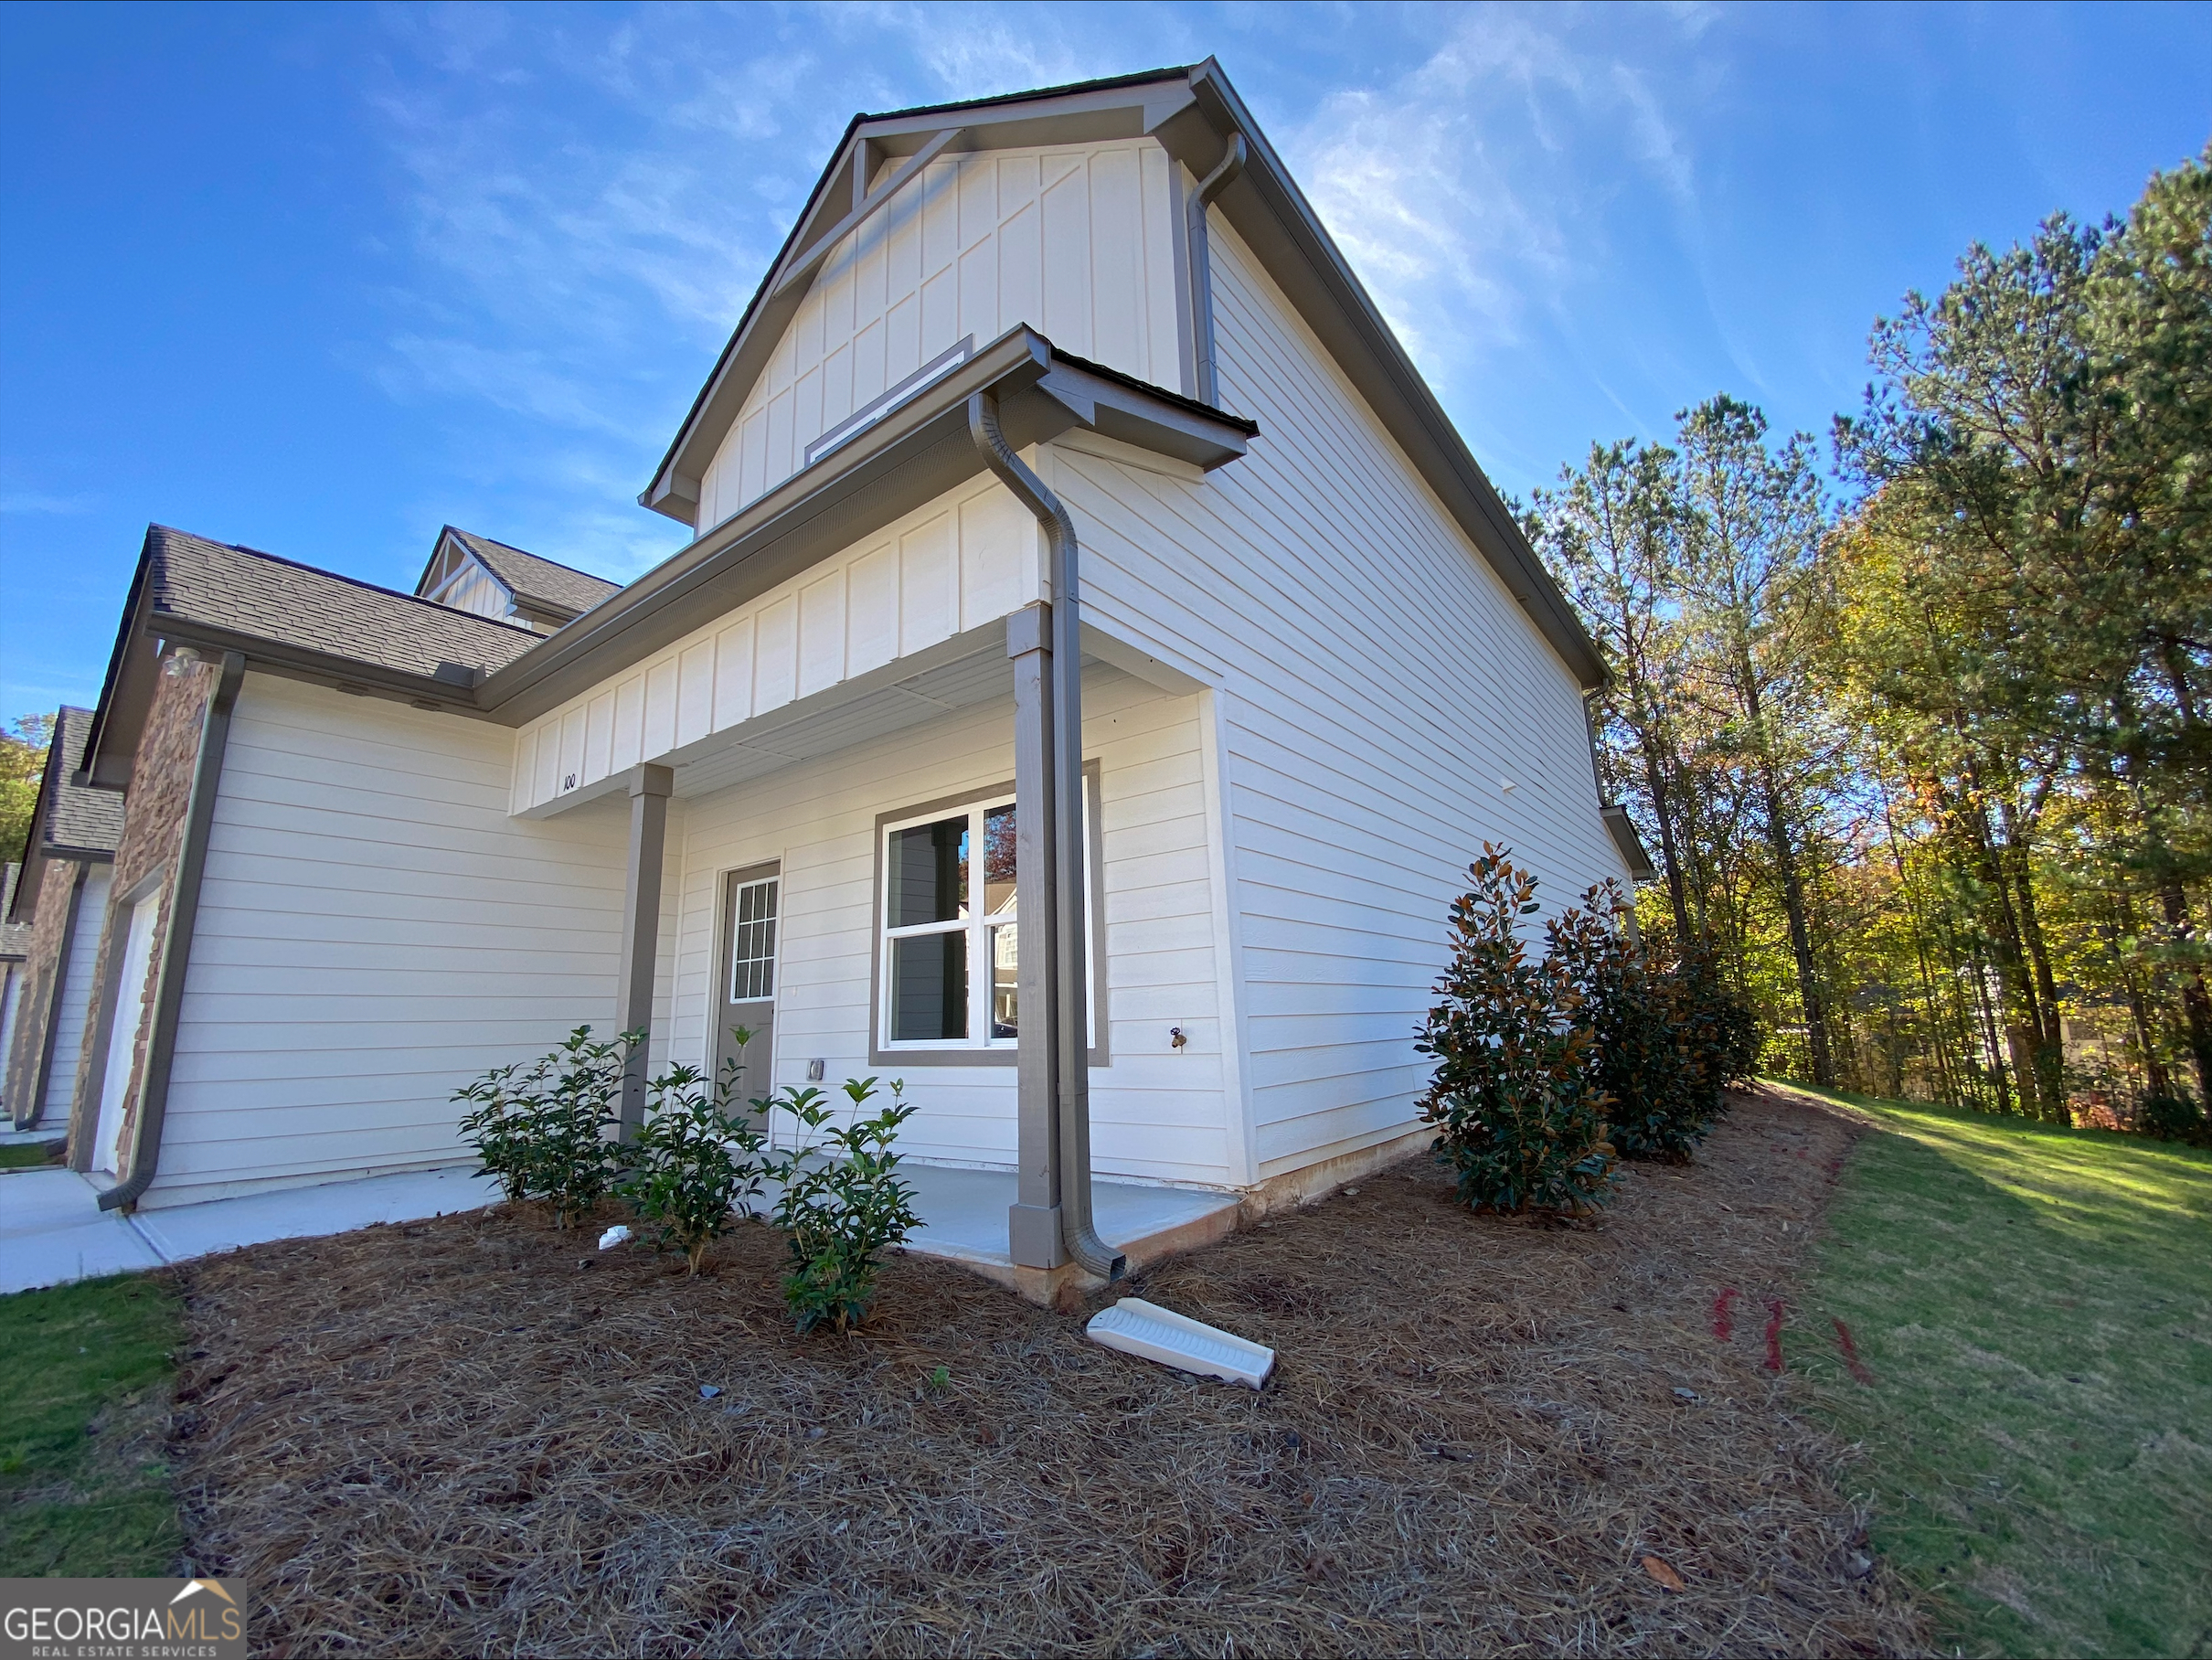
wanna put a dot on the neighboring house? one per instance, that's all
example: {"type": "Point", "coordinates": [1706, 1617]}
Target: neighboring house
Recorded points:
{"type": "Point", "coordinates": [830, 772]}
{"type": "Point", "coordinates": [15, 956]}
{"type": "Point", "coordinates": [60, 896]}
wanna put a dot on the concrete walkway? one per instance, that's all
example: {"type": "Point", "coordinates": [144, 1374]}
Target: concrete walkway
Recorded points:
{"type": "Point", "coordinates": [52, 1230]}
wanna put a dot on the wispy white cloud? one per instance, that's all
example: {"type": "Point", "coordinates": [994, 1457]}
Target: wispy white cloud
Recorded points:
{"type": "Point", "coordinates": [1472, 191]}
{"type": "Point", "coordinates": [41, 502]}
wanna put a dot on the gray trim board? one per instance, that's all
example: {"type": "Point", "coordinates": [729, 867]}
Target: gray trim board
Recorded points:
{"type": "Point", "coordinates": [176, 945]}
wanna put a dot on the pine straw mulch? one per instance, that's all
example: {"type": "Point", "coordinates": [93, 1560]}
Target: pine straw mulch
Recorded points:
{"type": "Point", "coordinates": [478, 1436]}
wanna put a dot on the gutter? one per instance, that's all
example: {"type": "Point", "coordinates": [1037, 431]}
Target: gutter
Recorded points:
{"type": "Point", "coordinates": [177, 944]}
{"type": "Point", "coordinates": [1071, 1036]}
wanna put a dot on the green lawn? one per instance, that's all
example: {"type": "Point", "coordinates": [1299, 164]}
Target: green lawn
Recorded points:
{"type": "Point", "coordinates": [25, 1155]}
{"type": "Point", "coordinates": [83, 1491]}
{"type": "Point", "coordinates": [2035, 1308]}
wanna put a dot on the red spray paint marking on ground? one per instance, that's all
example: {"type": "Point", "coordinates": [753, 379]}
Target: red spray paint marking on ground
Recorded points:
{"type": "Point", "coordinates": [1851, 1360]}
{"type": "Point", "coordinates": [1774, 1335]}
{"type": "Point", "coordinates": [1724, 1324]}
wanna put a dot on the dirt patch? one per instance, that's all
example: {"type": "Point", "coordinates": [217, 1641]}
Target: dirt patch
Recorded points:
{"type": "Point", "coordinates": [475, 1435]}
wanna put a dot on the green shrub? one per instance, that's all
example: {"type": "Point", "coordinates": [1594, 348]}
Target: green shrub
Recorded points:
{"type": "Point", "coordinates": [694, 1159]}
{"type": "Point", "coordinates": [1645, 1027]}
{"type": "Point", "coordinates": [1519, 1113]}
{"type": "Point", "coordinates": [839, 1213]}
{"type": "Point", "coordinates": [2170, 1118]}
{"type": "Point", "coordinates": [541, 1131]}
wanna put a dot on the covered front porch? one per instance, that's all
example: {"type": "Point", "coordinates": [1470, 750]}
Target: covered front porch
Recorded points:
{"type": "Point", "coordinates": [793, 872]}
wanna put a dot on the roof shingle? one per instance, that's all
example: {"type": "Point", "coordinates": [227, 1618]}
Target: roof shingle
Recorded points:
{"type": "Point", "coordinates": [259, 594]}
{"type": "Point", "coordinates": [79, 818]}
{"type": "Point", "coordinates": [531, 579]}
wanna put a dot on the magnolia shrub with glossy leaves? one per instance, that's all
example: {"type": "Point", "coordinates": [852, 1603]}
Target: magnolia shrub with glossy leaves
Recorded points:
{"type": "Point", "coordinates": [1517, 1102]}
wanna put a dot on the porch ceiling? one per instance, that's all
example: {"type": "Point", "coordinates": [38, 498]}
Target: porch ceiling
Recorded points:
{"type": "Point", "coordinates": [827, 723]}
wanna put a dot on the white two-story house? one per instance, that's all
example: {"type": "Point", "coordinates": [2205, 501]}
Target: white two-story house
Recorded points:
{"type": "Point", "coordinates": [1095, 664]}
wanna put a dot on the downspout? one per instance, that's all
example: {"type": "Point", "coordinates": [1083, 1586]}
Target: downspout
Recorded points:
{"type": "Point", "coordinates": [1208, 382]}
{"type": "Point", "coordinates": [1070, 947]}
{"type": "Point", "coordinates": [177, 944]}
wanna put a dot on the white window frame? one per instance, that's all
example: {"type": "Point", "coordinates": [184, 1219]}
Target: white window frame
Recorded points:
{"type": "Point", "coordinates": [977, 925]}
{"type": "Point", "coordinates": [979, 1047]}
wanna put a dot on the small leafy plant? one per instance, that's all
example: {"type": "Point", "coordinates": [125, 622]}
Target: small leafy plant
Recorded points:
{"type": "Point", "coordinates": [695, 1159]}
{"type": "Point", "coordinates": [1519, 1111]}
{"type": "Point", "coordinates": [839, 1213]}
{"type": "Point", "coordinates": [541, 1130]}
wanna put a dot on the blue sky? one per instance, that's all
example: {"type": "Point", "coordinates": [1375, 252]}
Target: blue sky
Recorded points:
{"type": "Point", "coordinates": [322, 278]}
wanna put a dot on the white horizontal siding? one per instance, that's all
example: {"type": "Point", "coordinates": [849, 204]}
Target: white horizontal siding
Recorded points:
{"type": "Point", "coordinates": [1155, 1113]}
{"type": "Point", "coordinates": [968, 557]}
{"type": "Point", "coordinates": [1381, 686]}
{"type": "Point", "coordinates": [1077, 242]}
{"type": "Point", "coordinates": [73, 1007]}
{"type": "Point", "coordinates": [374, 931]}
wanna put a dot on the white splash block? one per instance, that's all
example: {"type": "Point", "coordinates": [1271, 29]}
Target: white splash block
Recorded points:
{"type": "Point", "coordinates": [1144, 1329]}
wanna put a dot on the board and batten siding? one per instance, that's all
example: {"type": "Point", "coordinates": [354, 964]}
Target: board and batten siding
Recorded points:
{"type": "Point", "coordinates": [1379, 688]}
{"type": "Point", "coordinates": [374, 931]}
{"type": "Point", "coordinates": [954, 564]}
{"type": "Point", "coordinates": [1079, 242]}
{"type": "Point", "coordinates": [1157, 1113]}
{"type": "Point", "coordinates": [73, 1005]}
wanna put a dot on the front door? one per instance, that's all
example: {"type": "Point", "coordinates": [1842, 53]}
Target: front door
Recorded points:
{"type": "Point", "coordinates": [746, 986]}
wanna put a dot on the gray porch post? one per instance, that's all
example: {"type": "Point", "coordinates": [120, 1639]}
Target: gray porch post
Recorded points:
{"type": "Point", "coordinates": [1033, 1223]}
{"type": "Point", "coordinates": [649, 790]}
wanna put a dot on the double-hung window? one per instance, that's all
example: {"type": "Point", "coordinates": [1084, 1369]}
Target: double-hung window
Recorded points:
{"type": "Point", "coordinates": [949, 933]}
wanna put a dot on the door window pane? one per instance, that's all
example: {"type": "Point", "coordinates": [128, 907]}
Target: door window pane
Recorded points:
{"type": "Point", "coordinates": [752, 941]}
{"type": "Point", "coordinates": [930, 987]}
{"type": "Point", "coordinates": [928, 873]}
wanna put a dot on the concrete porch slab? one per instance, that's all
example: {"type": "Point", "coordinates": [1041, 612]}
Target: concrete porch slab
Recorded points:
{"type": "Point", "coordinates": [964, 1215]}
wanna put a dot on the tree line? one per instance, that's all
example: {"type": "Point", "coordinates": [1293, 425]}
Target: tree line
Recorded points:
{"type": "Point", "coordinates": [1916, 728]}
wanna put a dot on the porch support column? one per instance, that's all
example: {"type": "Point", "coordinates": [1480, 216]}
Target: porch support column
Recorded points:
{"type": "Point", "coordinates": [1033, 1223]}
{"type": "Point", "coordinates": [649, 790]}
{"type": "Point", "coordinates": [1064, 951]}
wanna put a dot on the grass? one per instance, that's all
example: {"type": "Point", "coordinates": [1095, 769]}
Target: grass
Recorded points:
{"type": "Point", "coordinates": [2034, 1308]}
{"type": "Point", "coordinates": [26, 1156]}
{"type": "Point", "coordinates": [84, 1490]}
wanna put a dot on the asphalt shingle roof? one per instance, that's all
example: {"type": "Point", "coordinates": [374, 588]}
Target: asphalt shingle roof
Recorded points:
{"type": "Point", "coordinates": [78, 817]}
{"type": "Point", "coordinates": [529, 578]}
{"type": "Point", "coordinates": [258, 594]}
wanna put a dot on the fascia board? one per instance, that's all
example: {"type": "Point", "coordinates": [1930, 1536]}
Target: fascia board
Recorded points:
{"type": "Point", "coordinates": [912, 455]}
{"type": "Point", "coordinates": [127, 692]}
{"type": "Point", "coordinates": [1067, 117]}
{"type": "Point", "coordinates": [321, 669]}
{"type": "Point", "coordinates": [1118, 409]}
{"type": "Point", "coordinates": [918, 451]}
{"type": "Point", "coordinates": [1271, 214]}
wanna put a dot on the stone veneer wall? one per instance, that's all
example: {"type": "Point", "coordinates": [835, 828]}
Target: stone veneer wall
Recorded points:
{"type": "Point", "coordinates": [152, 836]}
{"type": "Point", "coordinates": [42, 979]}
